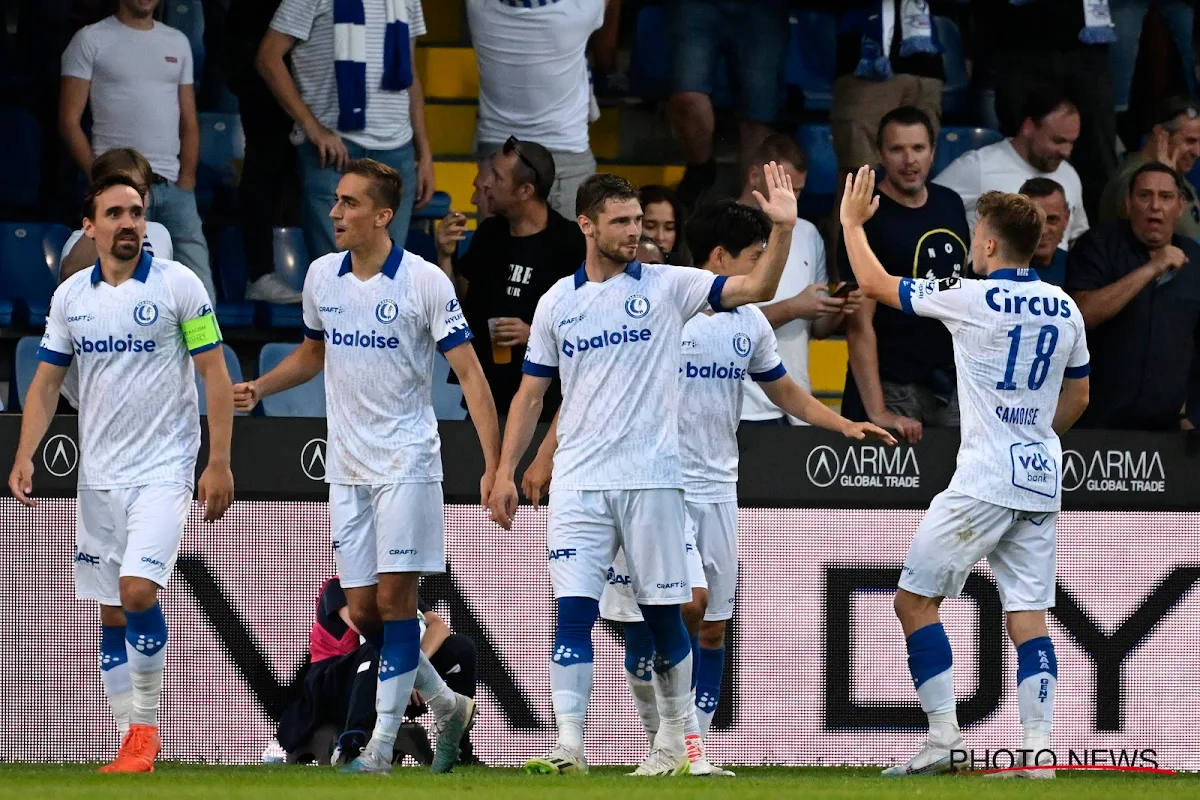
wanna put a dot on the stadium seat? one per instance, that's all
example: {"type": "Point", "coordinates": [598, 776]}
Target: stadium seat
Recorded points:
{"type": "Point", "coordinates": [188, 16]}
{"type": "Point", "coordinates": [233, 310]}
{"type": "Point", "coordinates": [20, 158]}
{"type": "Point", "coordinates": [6, 312]}
{"type": "Point", "coordinates": [954, 63]}
{"type": "Point", "coordinates": [25, 364]}
{"type": "Point", "coordinates": [291, 255]}
{"type": "Point", "coordinates": [812, 57]}
{"type": "Point", "coordinates": [465, 244]}
{"type": "Point", "coordinates": [437, 209]}
{"type": "Point", "coordinates": [29, 260]}
{"type": "Point", "coordinates": [222, 142]}
{"type": "Point", "coordinates": [306, 400]}
{"type": "Point", "coordinates": [817, 198]}
{"type": "Point", "coordinates": [954, 141]}
{"type": "Point", "coordinates": [422, 244]}
{"type": "Point", "coordinates": [447, 397]}
{"type": "Point", "coordinates": [235, 375]}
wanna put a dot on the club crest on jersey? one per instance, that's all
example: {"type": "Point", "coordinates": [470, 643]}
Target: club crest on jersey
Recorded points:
{"type": "Point", "coordinates": [637, 306]}
{"type": "Point", "coordinates": [387, 311]}
{"type": "Point", "coordinates": [741, 344]}
{"type": "Point", "coordinates": [145, 313]}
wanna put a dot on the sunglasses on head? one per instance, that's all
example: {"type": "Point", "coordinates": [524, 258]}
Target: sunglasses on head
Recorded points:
{"type": "Point", "coordinates": [514, 146]}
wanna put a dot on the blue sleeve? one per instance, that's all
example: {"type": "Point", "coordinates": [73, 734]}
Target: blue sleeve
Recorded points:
{"type": "Point", "coordinates": [770, 375]}
{"type": "Point", "coordinates": [1075, 373]}
{"type": "Point", "coordinates": [538, 370]}
{"type": "Point", "coordinates": [714, 294]}
{"type": "Point", "coordinates": [906, 295]}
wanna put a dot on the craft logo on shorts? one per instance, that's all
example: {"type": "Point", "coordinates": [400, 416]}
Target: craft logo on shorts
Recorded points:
{"type": "Point", "coordinates": [60, 454]}
{"type": "Point", "coordinates": [145, 313]}
{"type": "Point", "coordinates": [1114, 471]}
{"type": "Point", "coordinates": [387, 311]}
{"type": "Point", "coordinates": [637, 306]}
{"type": "Point", "coordinates": [741, 345]}
{"type": "Point", "coordinates": [312, 459]}
{"type": "Point", "coordinates": [864, 466]}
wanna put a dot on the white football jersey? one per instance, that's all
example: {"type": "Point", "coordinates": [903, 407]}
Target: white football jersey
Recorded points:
{"type": "Point", "coordinates": [719, 350]}
{"type": "Point", "coordinates": [616, 347]}
{"type": "Point", "coordinates": [139, 422]}
{"type": "Point", "coordinates": [379, 337]}
{"type": "Point", "coordinates": [1015, 339]}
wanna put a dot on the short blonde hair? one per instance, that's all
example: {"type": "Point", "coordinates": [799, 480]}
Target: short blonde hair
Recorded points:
{"type": "Point", "coordinates": [1015, 221]}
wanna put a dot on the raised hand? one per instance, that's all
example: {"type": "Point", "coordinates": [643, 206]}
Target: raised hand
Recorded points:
{"type": "Point", "coordinates": [780, 202]}
{"type": "Point", "coordinates": [859, 201]}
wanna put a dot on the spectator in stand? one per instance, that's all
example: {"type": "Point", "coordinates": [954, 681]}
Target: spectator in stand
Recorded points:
{"type": "Point", "coordinates": [1128, 18]}
{"type": "Point", "coordinates": [650, 252]}
{"type": "Point", "coordinates": [753, 36]}
{"type": "Point", "coordinates": [136, 75]}
{"type": "Point", "coordinates": [802, 306]}
{"type": "Point", "coordinates": [269, 167]}
{"type": "Point", "coordinates": [902, 366]}
{"type": "Point", "coordinates": [352, 96]}
{"type": "Point", "coordinates": [1049, 259]}
{"type": "Point", "coordinates": [1138, 287]}
{"type": "Point", "coordinates": [545, 98]}
{"type": "Point", "coordinates": [1040, 149]}
{"type": "Point", "coordinates": [662, 221]}
{"type": "Point", "coordinates": [515, 257]}
{"type": "Point", "coordinates": [1025, 43]}
{"type": "Point", "coordinates": [1174, 141]}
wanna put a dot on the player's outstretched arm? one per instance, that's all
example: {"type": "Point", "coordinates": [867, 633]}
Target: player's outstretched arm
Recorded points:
{"type": "Point", "coordinates": [760, 285]}
{"type": "Point", "coordinates": [792, 398]}
{"type": "Point", "coordinates": [215, 489]}
{"type": "Point", "coordinates": [482, 408]}
{"type": "Point", "coordinates": [859, 203]}
{"type": "Point", "coordinates": [536, 482]}
{"type": "Point", "coordinates": [300, 367]}
{"type": "Point", "coordinates": [1072, 402]}
{"type": "Point", "coordinates": [40, 403]}
{"type": "Point", "coordinates": [523, 415]}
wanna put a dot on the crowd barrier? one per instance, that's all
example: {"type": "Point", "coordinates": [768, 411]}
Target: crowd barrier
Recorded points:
{"type": "Point", "coordinates": [817, 671]}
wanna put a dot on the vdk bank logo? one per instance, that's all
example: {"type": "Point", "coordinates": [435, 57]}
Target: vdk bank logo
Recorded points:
{"type": "Point", "coordinates": [60, 455]}
{"type": "Point", "coordinates": [312, 459]}
{"type": "Point", "coordinates": [864, 466]}
{"type": "Point", "coordinates": [1114, 471]}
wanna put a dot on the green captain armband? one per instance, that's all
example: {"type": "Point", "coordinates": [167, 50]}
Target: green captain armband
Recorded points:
{"type": "Point", "coordinates": [201, 333]}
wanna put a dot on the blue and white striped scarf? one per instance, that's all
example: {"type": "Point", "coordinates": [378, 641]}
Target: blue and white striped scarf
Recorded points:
{"type": "Point", "coordinates": [1097, 21]}
{"type": "Point", "coordinates": [917, 35]}
{"type": "Point", "coordinates": [350, 58]}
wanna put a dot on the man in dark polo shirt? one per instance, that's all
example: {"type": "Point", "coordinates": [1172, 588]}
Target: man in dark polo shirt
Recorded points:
{"type": "Point", "coordinates": [1138, 287]}
{"type": "Point", "coordinates": [516, 255]}
{"type": "Point", "coordinates": [903, 366]}
{"type": "Point", "coordinates": [1049, 259]}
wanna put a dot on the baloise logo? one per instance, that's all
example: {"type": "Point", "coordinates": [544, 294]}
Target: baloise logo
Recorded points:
{"type": "Point", "coordinates": [864, 466]}
{"type": "Point", "coordinates": [605, 338]}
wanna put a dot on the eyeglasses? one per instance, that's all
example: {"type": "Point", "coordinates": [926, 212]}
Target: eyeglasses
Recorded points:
{"type": "Point", "coordinates": [514, 146]}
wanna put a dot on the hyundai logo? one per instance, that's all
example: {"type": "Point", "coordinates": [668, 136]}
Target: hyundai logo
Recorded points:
{"type": "Point", "coordinates": [60, 455]}
{"type": "Point", "coordinates": [1074, 470]}
{"type": "Point", "coordinates": [312, 459]}
{"type": "Point", "coordinates": [822, 466]}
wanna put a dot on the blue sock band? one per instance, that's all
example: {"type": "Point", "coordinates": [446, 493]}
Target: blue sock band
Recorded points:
{"type": "Point", "coordinates": [401, 649]}
{"type": "Point", "coordinates": [112, 647]}
{"type": "Point", "coordinates": [708, 678]}
{"type": "Point", "coordinates": [695, 659]}
{"type": "Point", "coordinates": [573, 637]}
{"type": "Point", "coordinates": [1036, 656]}
{"type": "Point", "coordinates": [929, 653]}
{"type": "Point", "coordinates": [146, 631]}
{"type": "Point", "coordinates": [639, 650]}
{"type": "Point", "coordinates": [671, 642]}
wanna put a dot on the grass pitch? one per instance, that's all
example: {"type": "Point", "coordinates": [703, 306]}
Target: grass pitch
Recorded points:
{"type": "Point", "coordinates": [179, 782]}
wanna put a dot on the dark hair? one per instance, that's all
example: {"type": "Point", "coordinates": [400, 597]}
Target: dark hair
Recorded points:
{"type": "Point", "coordinates": [386, 184]}
{"type": "Point", "coordinates": [1155, 166]}
{"type": "Point", "coordinates": [1042, 187]}
{"type": "Point", "coordinates": [779, 147]}
{"type": "Point", "coordinates": [535, 166]}
{"type": "Point", "coordinates": [1016, 222]}
{"type": "Point", "coordinates": [1043, 100]}
{"type": "Point", "coordinates": [123, 159]}
{"type": "Point", "coordinates": [656, 193]}
{"type": "Point", "coordinates": [99, 187]}
{"type": "Point", "coordinates": [1175, 107]}
{"type": "Point", "coordinates": [647, 241]}
{"type": "Point", "coordinates": [596, 192]}
{"type": "Point", "coordinates": [727, 224]}
{"type": "Point", "coordinates": [904, 115]}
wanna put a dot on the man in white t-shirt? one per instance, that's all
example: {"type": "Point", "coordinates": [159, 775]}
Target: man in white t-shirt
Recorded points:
{"type": "Point", "coordinates": [1039, 150]}
{"type": "Point", "coordinates": [354, 93]}
{"type": "Point", "coordinates": [136, 75]}
{"type": "Point", "coordinates": [544, 98]}
{"type": "Point", "coordinates": [802, 306]}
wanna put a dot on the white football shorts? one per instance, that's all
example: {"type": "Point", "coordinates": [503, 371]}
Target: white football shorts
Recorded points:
{"type": "Point", "coordinates": [396, 527]}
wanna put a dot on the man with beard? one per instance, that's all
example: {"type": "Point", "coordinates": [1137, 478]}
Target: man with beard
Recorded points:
{"type": "Point", "coordinates": [903, 366]}
{"type": "Point", "coordinates": [1044, 142]}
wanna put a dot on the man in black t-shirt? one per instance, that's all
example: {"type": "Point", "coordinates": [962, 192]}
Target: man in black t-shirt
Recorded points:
{"type": "Point", "coordinates": [901, 366]}
{"type": "Point", "coordinates": [515, 257]}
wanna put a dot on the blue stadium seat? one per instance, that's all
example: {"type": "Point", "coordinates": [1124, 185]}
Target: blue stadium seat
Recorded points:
{"type": "Point", "coordinates": [221, 143]}
{"type": "Point", "coordinates": [235, 375]}
{"type": "Point", "coordinates": [188, 17]}
{"type": "Point", "coordinates": [20, 158]}
{"type": "Point", "coordinates": [651, 66]}
{"type": "Point", "coordinates": [954, 62]}
{"type": "Point", "coordinates": [29, 260]}
{"type": "Point", "coordinates": [954, 141]}
{"type": "Point", "coordinates": [812, 57]}
{"type": "Point", "coordinates": [25, 364]}
{"type": "Point", "coordinates": [291, 255]}
{"type": "Point", "coordinates": [438, 208]}
{"type": "Point", "coordinates": [422, 244]}
{"type": "Point", "coordinates": [447, 397]}
{"type": "Point", "coordinates": [233, 310]}
{"type": "Point", "coordinates": [465, 244]}
{"type": "Point", "coordinates": [817, 198]}
{"type": "Point", "coordinates": [306, 400]}
{"type": "Point", "coordinates": [6, 313]}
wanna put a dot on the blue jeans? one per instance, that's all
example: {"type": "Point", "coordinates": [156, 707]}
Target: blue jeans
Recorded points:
{"type": "Point", "coordinates": [175, 209]}
{"type": "Point", "coordinates": [320, 185]}
{"type": "Point", "coordinates": [1128, 16]}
